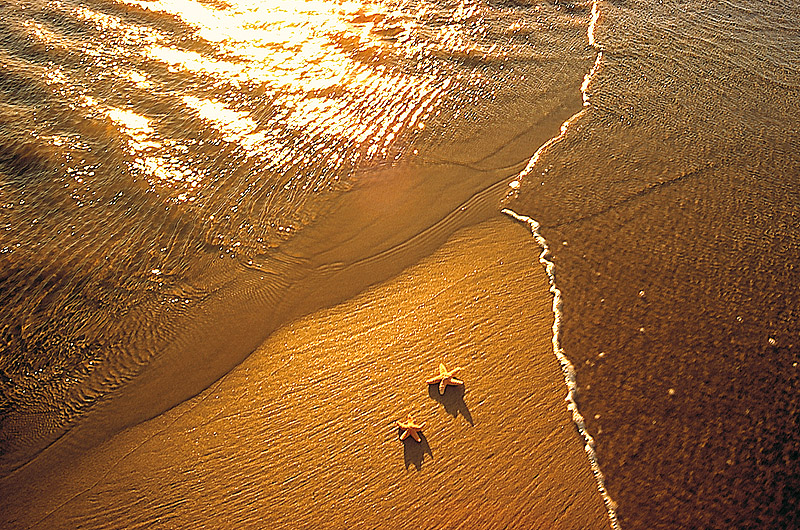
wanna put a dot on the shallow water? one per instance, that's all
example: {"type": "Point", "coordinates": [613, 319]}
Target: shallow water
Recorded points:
{"type": "Point", "coordinates": [671, 206]}
{"type": "Point", "coordinates": [179, 178]}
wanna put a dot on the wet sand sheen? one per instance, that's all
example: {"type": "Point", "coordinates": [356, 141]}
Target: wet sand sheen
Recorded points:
{"type": "Point", "coordinates": [302, 433]}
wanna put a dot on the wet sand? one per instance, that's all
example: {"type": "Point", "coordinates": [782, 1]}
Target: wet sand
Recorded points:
{"type": "Point", "coordinates": [302, 433]}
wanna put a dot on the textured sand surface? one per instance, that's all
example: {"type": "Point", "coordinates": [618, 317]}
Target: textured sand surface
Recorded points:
{"type": "Point", "coordinates": [302, 435]}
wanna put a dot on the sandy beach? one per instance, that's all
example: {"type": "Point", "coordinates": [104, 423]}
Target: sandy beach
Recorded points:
{"type": "Point", "coordinates": [302, 434]}
{"type": "Point", "coordinates": [237, 237]}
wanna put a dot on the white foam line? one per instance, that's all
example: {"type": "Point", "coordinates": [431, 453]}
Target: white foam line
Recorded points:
{"type": "Point", "coordinates": [593, 24]}
{"type": "Point", "coordinates": [588, 78]}
{"type": "Point", "coordinates": [570, 376]}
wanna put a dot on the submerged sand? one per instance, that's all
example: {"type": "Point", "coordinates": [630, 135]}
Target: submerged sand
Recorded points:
{"type": "Point", "coordinates": [302, 434]}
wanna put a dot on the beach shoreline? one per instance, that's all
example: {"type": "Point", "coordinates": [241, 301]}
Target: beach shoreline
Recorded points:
{"type": "Point", "coordinates": [310, 415]}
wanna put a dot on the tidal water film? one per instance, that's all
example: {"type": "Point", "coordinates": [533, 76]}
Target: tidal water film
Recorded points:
{"type": "Point", "coordinates": [238, 236]}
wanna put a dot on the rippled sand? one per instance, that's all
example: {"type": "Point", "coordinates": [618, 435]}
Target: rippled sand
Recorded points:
{"type": "Point", "coordinates": [302, 435]}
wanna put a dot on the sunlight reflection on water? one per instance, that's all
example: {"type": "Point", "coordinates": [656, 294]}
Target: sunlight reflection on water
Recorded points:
{"type": "Point", "coordinates": [313, 60]}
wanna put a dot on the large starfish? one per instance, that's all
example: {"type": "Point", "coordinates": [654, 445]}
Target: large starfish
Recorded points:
{"type": "Point", "coordinates": [445, 378]}
{"type": "Point", "coordinates": [410, 428]}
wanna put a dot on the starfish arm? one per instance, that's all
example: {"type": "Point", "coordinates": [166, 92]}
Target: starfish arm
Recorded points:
{"type": "Point", "coordinates": [404, 435]}
{"type": "Point", "coordinates": [442, 369]}
{"type": "Point", "coordinates": [415, 435]}
{"type": "Point", "coordinates": [455, 371]}
{"type": "Point", "coordinates": [434, 380]}
{"type": "Point", "coordinates": [455, 381]}
{"type": "Point", "coordinates": [442, 386]}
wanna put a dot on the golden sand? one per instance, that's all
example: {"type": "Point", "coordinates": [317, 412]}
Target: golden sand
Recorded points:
{"type": "Point", "coordinates": [303, 433]}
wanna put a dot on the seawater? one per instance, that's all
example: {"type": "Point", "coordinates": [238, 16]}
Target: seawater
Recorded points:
{"type": "Point", "coordinates": [178, 178]}
{"type": "Point", "coordinates": [670, 207]}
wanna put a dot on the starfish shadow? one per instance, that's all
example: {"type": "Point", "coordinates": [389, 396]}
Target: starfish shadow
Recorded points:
{"type": "Point", "coordinates": [452, 400]}
{"type": "Point", "coordinates": [414, 452]}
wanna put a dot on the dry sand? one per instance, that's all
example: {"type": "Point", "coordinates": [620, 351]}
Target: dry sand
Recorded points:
{"type": "Point", "coordinates": [302, 433]}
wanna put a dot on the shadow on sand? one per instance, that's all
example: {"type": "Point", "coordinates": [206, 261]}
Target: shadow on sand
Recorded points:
{"type": "Point", "coordinates": [452, 400]}
{"type": "Point", "coordinates": [414, 452]}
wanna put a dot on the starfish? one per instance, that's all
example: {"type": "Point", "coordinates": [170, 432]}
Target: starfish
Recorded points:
{"type": "Point", "coordinates": [445, 378]}
{"type": "Point", "coordinates": [410, 428]}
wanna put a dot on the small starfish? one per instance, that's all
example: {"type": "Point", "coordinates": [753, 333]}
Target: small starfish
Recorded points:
{"type": "Point", "coordinates": [410, 428]}
{"type": "Point", "coordinates": [445, 378]}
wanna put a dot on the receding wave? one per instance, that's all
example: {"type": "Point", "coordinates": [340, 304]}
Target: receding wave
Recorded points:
{"type": "Point", "coordinates": [177, 178]}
